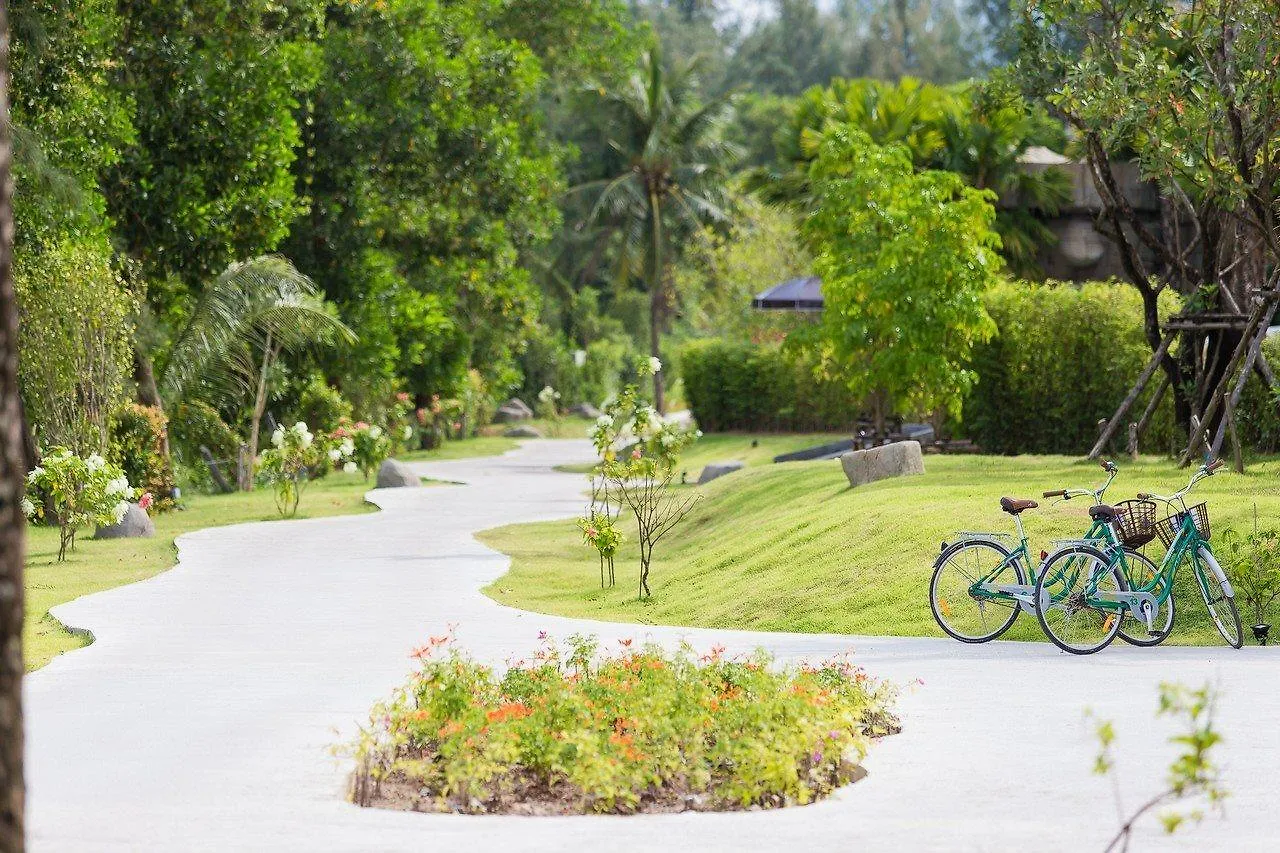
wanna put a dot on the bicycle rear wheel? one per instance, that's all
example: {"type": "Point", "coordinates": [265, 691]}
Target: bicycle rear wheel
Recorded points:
{"type": "Point", "coordinates": [963, 615]}
{"type": "Point", "coordinates": [1142, 571]}
{"type": "Point", "coordinates": [1221, 606]}
{"type": "Point", "coordinates": [1072, 583]}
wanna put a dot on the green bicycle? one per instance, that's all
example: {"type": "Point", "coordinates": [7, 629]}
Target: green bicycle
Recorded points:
{"type": "Point", "coordinates": [981, 582]}
{"type": "Point", "coordinates": [1083, 595]}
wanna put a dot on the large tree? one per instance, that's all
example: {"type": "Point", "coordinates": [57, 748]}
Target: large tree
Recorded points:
{"type": "Point", "coordinates": [905, 257]}
{"type": "Point", "coordinates": [1189, 91]}
{"type": "Point", "coordinates": [12, 481]}
{"type": "Point", "coordinates": [667, 181]}
{"type": "Point", "coordinates": [429, 177]}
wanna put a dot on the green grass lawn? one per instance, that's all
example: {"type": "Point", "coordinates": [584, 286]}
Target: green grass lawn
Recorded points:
{"type": "Point", "coordinates": [566, 426]}
{"type": "Point", "coordinates": [95, 566]}
{"type": "Point", "coordinates": [481, 445]}
{"type": "Point", "coordinates": [792, 548]}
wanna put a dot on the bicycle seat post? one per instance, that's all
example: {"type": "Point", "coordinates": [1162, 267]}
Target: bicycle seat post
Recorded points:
{"type": "Point", "coordinates": [1022, 534]}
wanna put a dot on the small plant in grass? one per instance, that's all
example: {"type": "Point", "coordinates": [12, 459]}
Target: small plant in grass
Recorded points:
{"type": "Point", "coordinates": [600, 531]}
{"type": "Point", "coordinates": [1192, 776]}
{"type": "Point", "coordinates": [639, 455]}
{"type": "Point", "coordinates": [286, 465]}
{"type": "Point", "coordinates": [1253, 562]}
{"type": "Point", "coordinates": [549, 403]}
{"type": "Point", "coordinates": [643, 730]}
{"type": "Point", "coordinates": [77, 492]}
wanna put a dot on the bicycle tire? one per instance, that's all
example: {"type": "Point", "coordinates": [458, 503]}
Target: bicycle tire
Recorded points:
{"type": "Point", "coordinates": [1144, 639]}
{"type": "Point", "coordinates": [1228, 620]}
{"type": "Point", "coordinates": [1111, 626]}
{"type": "Point", "coordinates": [936, 603]}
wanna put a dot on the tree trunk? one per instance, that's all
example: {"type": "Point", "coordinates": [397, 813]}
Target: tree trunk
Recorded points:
{"type": "Point", "coordinates": [12, 479]}
{"type": "Point", "coordinates": [655, 306]}
{"type": "Point", "coordinates": [144, 377]}
{"type": "Point", "coordinates": [259, 404]}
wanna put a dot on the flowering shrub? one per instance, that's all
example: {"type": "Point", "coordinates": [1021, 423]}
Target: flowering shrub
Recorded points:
{"type": "Point", "coordinates": [549, 403]}
{"type": "Point", "coordinates": [644, 730]}
{"type": "Point", "coordinates": [140, 446]}
{"type": "Point", "coordinates": [600, 531]}
{"type": "Point", "coordinates": [369, 445]}
{"type": "Point", "coordinates": [400, 422]}
{"type": "Point", "coordinates": [639, 478]}
{"type": "Point", "coordinates": [78, 491]}
{"type": "Point", "coordinates": [285, 465]}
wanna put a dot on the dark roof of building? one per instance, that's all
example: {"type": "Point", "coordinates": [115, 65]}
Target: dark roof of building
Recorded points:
{"type": "Point", "coordinates": [797, 294]}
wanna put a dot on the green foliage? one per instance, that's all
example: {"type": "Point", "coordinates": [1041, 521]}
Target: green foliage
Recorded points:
{"type": "Point", "coordinates": [76, 491]}
{"type": "Point", "coordinates": [321, 405]}
{"type": "Point", "coordinates": [1252, 561]}
{"type": "Point", "coordinates": [905, 258]}
{"type": "Point", "coordinates": [195, 423]}
{"type": "Point", "coordinates": [214, 84]}
{"type": "Point", "coordinates": [370, 445]}
{"type": "Point", "coordinates": [1193, 773]}
{"type": "Point", "coordinates": [75, 341]}
{"type": "Point", "coordinates": [626, 733]}
{"type": "Point", "coordinates": [430, 175]}
{"type": "Point", "coordinates": [1063, 359]}
{"type": "Point", "coordinates": [285, 466]}
{"type": "Point", "coordinates": [739, 386]}
{"type": "Point", "coordinates": [139, 446]}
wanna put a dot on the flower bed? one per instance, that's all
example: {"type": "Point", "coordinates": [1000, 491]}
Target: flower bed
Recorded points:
{"type": "Point", "coordinates": [640, 731]}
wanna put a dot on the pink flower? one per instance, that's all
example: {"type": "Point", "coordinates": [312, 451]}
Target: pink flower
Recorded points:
{"type": "Point", "coordinates": [457, 425]}
{"type": "Point", "coordinates": [402, 397]}
{"type": "Point", "coordinates": [145, 501]}
{"type": "Point", "coordinates": [636, 454]}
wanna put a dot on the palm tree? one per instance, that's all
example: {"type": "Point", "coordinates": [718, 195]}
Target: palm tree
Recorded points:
{"type": "Point", "coordinates": [668, 181]}
{"type": "Point", "coordinates": [253, 313]}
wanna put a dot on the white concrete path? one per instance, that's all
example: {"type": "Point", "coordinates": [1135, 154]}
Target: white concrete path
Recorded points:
{"type": "Point", "coordinates": [202, 717]}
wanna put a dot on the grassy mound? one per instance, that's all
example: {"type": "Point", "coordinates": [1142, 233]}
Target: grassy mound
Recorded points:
{"type": "Point", "coordinates": [792, 548]}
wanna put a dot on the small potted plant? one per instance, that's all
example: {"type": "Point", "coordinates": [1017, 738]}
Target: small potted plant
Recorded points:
{"type": "Point", "coordinates": [1253, 562]}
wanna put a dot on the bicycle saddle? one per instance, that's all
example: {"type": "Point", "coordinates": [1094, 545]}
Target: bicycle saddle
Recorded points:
{"type": "Point", "coordinates": [1102, 512]}
{"type": "Point", "coordinates": [1013, 506]}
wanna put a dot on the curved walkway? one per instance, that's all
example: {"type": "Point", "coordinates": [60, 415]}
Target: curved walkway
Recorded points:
{"type": "Point", "coordinates": [202, 717]}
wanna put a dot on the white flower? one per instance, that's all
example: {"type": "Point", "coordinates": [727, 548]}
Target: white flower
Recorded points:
{"type": "Point", "coordinates": [347, 447]}
{"type": "Point", "coordinates": [35, 474]}
{"type": "Point", "coordinates": [547, 394]}
{"type": "Point", "coordinates": [350, 468]}
{"type": "Point", "coordinates": [95, 462]}
{"type": "Point", "coordinates": [375, 432]}
{"type": "Point", "coordinates": [655, 364]}
{"type": "Point", "coordinates": [121, 510]}
{"type": "Point", "coordinates": [118, 486]}
{"type": "Point", "coordinates": [408, 432]}
{"type": "Point", "coordinates": [306, 440]}
{"type": "Point", "coordinates": [28, 508]}
{"type": "Point", "coordinates": [334, 454]}
{"type": "Point", "coordinates": [604, 421]}
{"type": "Point", "coordinates": [277, 437]}
{"type": "Point", "coordinates": [300, 428]}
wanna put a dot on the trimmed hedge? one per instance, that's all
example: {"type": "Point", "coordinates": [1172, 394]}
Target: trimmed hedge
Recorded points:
{"type": "Point", "coordinates": [1063, 359]}
{"type": "Point", "coordinates": [739, 386]}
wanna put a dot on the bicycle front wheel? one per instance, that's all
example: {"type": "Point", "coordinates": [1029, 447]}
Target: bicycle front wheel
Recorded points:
{"type": "Point", "coordinates": [1142, 572]}
{"type": "Point", "coordinates": [1220, 604]}
{"type": "Point", "coordinates": [1073, 602]}
{"type": "Point", "coordinates": [967, 617]}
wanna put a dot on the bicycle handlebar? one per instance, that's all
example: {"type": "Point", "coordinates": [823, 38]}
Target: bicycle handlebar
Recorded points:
{"type": "Point", "coordinates": [1056, 493]}
{"type": "Point", "coordinates": [1214, 466]}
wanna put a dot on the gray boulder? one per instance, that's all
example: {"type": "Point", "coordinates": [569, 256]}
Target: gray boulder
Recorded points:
{"type": "Point", "coordinates": [136, 524]}
{"type": "Point", "coordinates": [522, 431]}
{"type": "Point", "coordinates": [899, 459]}
{"type": "Point", "coordinates": [719, 469]}
{"type": "Point", "coordinates": [584, 410]}
{"type": "Point", "coordinates": [512, 410]}
{"type": "Point", "coordinates": [397, 475]}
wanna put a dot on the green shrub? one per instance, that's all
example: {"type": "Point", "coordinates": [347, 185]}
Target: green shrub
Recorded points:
{"type": "Point", "coordinates": [196, 423]}
{"type": "Point", "coordinates": [139, 445]}
{"type": "Point", "coordinates": [1259, 412]}
{"type": "Point", "coordinates": [1063, 359]}
{"type": "Point", "coordinates": [739, 386]}
{"type": "Point", "coordinates": [548, 361]}
{"type": "Point", "coordinates": [643, 730]}
{"type": "Point", "coordinates": [76, 491]}
{"type": "Point", "coordinates": [321, 406]}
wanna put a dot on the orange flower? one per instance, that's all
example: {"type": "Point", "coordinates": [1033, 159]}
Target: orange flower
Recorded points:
{"type": "Point", "coordinates": [509, 711]}
{"type": "Point", "coordinates": [450, 729]}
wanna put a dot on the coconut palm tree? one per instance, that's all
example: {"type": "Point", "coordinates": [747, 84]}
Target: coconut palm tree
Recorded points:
{"type": "Point", "coordinates": [247, 318]}
{"type": "Point", "coordinates": [667, 181]}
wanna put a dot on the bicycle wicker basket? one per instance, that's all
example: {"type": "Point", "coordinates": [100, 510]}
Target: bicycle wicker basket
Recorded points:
{"type": "Point", "coordinates": [1135, 522]}
{"type": "Point", "coordinates": [1168, 528]}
